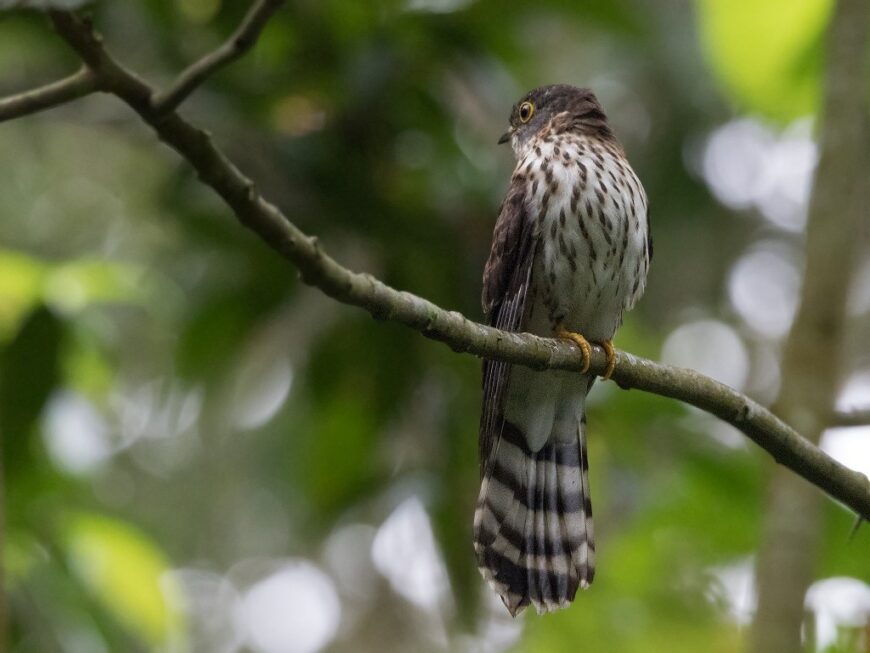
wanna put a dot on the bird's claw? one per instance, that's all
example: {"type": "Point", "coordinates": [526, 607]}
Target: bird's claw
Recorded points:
{"type": "Point", "coordinates": [581, 342]}
{"type": "Point", "coordinates": [586, 350]}
{"type": "Point", "coordinates": [607, 345]}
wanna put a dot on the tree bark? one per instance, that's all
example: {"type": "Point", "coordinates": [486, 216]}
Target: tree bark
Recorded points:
{"type": "Point", "coordinates": [811, 367]}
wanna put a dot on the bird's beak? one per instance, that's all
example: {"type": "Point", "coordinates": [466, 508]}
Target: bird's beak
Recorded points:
{"type": "Point", "coordinates": [506, 136]}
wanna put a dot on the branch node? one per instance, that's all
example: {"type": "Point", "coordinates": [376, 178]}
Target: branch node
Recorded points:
{"type": "Point", "coordinates": [431, 318]}
{"type": "Point", "coordinates": [251, 195]}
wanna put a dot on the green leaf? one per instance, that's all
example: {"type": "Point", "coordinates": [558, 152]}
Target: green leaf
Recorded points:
{"type": "Point", "coordinates": [74, 285]}
{"type": "Point", "coordinates": [21, 280]}
{"type": "Point", "coordinates": [126, 572]}
{"type": "Point", "coordinates": [28, 374]}
{"type": "Point", "coordinates": [71, 286]}
{"type": "Point", "coordinates": [336, 457]}
{"type": "Point", "coordinates": [766, 55]}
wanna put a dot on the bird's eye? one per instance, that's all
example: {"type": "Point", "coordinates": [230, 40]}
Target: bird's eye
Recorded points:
{"type": "Point", "coordinates": [527, 110]}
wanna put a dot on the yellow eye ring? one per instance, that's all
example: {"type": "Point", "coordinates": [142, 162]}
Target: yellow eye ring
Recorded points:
{"type": "Point", "coordinates": [526, 111]}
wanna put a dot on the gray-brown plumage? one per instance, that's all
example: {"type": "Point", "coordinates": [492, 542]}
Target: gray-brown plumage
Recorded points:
{"type": "Point", "coordinates": [570, 254]}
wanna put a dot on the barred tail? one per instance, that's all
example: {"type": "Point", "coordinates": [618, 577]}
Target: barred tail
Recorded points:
{"type": "Point", "coordinates": [533, 523]}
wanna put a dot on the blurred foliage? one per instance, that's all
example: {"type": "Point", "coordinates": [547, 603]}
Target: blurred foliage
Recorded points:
{"type": "Point", "coordinates": [178, 412]}
{"type": "Point", "coordinates": [767, 54]}
{"type": "Point", "coordinates": [124, 570]}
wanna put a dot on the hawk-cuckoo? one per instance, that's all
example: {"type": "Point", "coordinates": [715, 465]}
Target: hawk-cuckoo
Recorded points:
{"type": "Point", "coordinates": [570, 253]}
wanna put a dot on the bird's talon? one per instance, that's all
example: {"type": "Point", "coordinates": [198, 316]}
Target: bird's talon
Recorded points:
{"type": "Point", "coordinates": [581, 342]}
{"type": "Point", "coordinates": [607, 345]}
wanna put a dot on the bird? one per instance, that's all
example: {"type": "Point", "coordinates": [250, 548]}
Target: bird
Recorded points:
{"type": "Point", "coordinates": [571, 251]}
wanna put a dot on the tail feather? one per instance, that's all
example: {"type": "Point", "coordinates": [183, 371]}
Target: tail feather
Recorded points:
{"type": "Point", "coordinates": [586, 551]}
{"type": "Point", "coordinates": [533, 523]}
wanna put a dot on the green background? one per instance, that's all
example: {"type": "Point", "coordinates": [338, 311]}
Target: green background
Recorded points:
{"type": "Point", "coordinates": [181, 418]}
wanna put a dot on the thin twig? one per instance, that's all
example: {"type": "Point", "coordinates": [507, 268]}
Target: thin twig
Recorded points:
{"type": "Point", "coordinates": [462, 335]}
{"type": "Point", "coordinates": [242, 40]}
{"type": "Point", "coordinates": [51, 95]}
{"type": "Point", "coordinates": [855, 526]}
{"type": "Point", "coordinates": [858, 417]}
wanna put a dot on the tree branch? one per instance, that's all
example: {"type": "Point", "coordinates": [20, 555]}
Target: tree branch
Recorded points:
{"type": "Point", "coordinates": [70, 88]}
{"type": "Point", "coordinates": [242, 40]}
{"type": "Point", "coordinates": [462, 335]}
{"type": "Point", "coordinates": [857, 417]}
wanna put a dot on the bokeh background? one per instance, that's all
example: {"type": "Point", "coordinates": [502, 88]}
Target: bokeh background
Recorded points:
{"type": "Point", "coordinates": [201, 454]}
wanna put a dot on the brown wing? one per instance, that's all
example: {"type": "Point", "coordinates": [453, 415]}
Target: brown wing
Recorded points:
{"type": "Point", "coordinates": [507, 278]}
{"type": "Point", "coordinates": [649, 240]}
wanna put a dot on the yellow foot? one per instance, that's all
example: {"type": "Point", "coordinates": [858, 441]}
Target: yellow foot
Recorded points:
{"type": "Point", "coordinates": [580, 341]}
{"type": "Point", "coordinates": [586, 350]}
{"type": "Point", "coordinates": [607, 345]}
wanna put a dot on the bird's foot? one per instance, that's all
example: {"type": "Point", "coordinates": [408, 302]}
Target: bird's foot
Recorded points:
{"type": "Point", "coordinates": [586, 350]}
{"type": "Point", "coordinates": [607, 345]}
{"type": "Point", "coordinates": [581, 342]}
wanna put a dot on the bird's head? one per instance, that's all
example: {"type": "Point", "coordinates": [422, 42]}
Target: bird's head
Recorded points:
{"type": "Point", "coordinates": [577, 108]}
